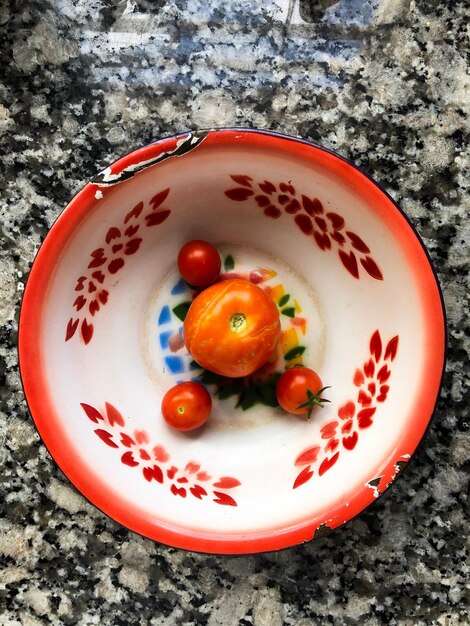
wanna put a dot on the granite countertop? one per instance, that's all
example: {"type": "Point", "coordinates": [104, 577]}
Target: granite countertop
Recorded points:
{"type": "Point", "coordinates": [381, 81]}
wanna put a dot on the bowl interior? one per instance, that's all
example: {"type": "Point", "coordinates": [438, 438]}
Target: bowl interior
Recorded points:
{"type": "Point", "coordinates": [100, 341]}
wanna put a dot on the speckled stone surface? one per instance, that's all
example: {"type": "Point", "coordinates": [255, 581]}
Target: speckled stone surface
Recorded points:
{"type": "Point", "coordinates": [380, 81]}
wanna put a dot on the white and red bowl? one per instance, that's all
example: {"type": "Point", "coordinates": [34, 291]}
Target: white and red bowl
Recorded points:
{"type": "Point", "coordinates": [100, 340]}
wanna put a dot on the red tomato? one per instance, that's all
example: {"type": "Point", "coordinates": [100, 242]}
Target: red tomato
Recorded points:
{"type": "Point", "coordinates": [186, 406]}
{"type": "Point", "coordinates": [299, 391]}
{"type": "Point", "coordinates": [199, 263]}
{"type": "Point", "coordinates": [232, 328]}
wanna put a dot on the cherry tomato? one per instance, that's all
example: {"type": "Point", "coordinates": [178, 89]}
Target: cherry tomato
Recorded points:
{"type": "Point", "coordinates": [199, 263]}
{"type": "Point", "coordinates": [299, 391]}
{"type": "Point", "coordinates": [186, 406]}
{"type": "Point", "coordinates": [232, 328]}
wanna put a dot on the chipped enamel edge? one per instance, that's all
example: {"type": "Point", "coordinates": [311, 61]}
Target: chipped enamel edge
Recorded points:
{"type": "Point", "coordinates": [185, 144]}
{"type": "Point", "coordinates": [376, 483]}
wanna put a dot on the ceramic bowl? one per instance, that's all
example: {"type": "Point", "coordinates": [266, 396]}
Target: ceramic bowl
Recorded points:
{"type": "Point", "coordinates": [100, 340]}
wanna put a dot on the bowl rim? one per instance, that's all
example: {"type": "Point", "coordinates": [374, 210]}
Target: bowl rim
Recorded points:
{"type": "Point", "coordinates": [266, 541]}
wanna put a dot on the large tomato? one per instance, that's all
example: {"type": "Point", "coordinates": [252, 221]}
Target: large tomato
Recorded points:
{"type": "Point", "coordinates": [232, 328]}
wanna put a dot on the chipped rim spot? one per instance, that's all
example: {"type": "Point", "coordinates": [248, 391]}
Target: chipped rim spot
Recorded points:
{"type": "Point", "coordinates": [373, 484]}
{"type": "Point", "coordinates": [322, 530]}
{"type": "Point", "coordinates": [376, 483]}
{"type": "Point", "coordinates": [184, 144]}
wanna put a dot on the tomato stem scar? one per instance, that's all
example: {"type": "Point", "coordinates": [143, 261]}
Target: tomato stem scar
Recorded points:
{"type": "Point", "coordinates": [237, 322]}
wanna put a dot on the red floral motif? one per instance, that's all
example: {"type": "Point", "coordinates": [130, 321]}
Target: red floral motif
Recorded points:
{"type": "Point", "coordinates": [119, 243]}
{"type": "Point", "coordinates": [154, 460]}
{"type": "Point", "coordinates": [328, 229]}
{"type": "Point", "coordinates": [354, 416]}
